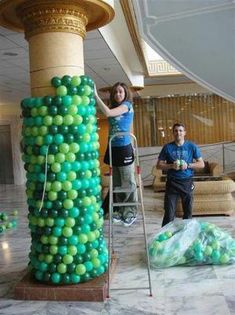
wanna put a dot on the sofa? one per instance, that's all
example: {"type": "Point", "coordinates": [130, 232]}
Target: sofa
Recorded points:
{"type": "Point", "coordinates": [212, 193]}
{"type": "Point", "coordinates": [211, 169]}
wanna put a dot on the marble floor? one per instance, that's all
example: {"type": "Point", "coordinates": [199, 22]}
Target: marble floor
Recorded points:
{"type": "Point", "coordinates": [208, 290]}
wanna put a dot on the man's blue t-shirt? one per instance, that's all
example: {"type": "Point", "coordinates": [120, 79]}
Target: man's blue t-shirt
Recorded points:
{"type": "Point", "coordinates": [172, 152]}
{"type": "Point", "coordinates": [121, 123]}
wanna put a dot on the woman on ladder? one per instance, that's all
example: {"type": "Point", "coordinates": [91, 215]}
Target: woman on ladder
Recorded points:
{"type": "Point", "coordinates": [120, 117]}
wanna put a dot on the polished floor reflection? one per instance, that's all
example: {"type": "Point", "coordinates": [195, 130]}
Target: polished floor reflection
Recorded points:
{"type": "Point", "coordinates": [177, 290]}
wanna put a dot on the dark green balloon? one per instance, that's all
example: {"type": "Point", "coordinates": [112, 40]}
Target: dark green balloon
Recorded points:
{"type": "Point", "coordinates": [84, 79]}
{"type": "Point", "coordinates": [69, 138]}
{"type": "Point", "coordinates": [63, 129]}
{"type": "Point", "coordinates": [53, 149]}
{"type": "Point", "coordinates": [62, 195]}
{"type": "Point", "coordinates": [51, 176]}
{"type": "Point", "coordinates": [66, 80]}
{"type": "Point", "coordinates": [56, 82]}
{"type": "Point", "coordinates": [81, 90]}
{"type": "Point", "coordinates": [63, 110]}
{"type": "Point", "coordinates": [53, 129]}
{"type": "Point", "coordinates": [72, 90]}
{"type": "Point", "coordinates": [53, 110]}
{"type": "Point", "coordinates": [57, 100]}
{"type": "Point", "coordinates": [52, 267]}
{"type": "Point", "coordinates": [53, 213]}
{"type": "Point", "coordinates": [47, 100]}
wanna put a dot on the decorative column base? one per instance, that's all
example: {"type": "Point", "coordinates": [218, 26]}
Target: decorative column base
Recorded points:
{"type": "Point", "coordinates": [93, 291]}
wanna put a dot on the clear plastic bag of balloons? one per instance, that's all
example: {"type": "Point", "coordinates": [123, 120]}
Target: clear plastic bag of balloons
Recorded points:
{"type": "Point", "coordinates": [190, 243]}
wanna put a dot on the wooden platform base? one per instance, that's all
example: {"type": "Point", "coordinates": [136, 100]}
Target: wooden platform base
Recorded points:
{"type": "Point", "coordinates": [94, 290]}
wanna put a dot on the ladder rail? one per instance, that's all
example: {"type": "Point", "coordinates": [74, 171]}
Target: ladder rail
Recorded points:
{"type": "Point", "coordinates": [111, 204]}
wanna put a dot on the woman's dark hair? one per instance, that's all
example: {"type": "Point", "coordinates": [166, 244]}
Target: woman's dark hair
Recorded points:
{"type": "Point", "coordinates": [113, 91]}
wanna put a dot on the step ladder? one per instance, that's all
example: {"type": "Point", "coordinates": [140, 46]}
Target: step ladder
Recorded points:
{"type": "Point", "coordinates": [139, 204]}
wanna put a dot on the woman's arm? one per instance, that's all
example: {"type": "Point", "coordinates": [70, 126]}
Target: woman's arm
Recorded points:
{"type": "Point", "coordinates": [106, 110]}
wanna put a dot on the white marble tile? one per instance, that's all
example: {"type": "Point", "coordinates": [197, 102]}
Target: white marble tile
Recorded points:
{"type": "Point", "coordinates": [176, 291]}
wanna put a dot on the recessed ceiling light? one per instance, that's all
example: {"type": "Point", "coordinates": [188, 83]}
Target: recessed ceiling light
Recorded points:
{"type": "Point", "coordinates": [10, 54]}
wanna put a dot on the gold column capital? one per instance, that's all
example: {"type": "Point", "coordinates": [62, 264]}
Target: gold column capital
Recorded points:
{"type": "Point", "coordinates": [52, 16]}
{"type": "Point", "coordinates": [40, 16]}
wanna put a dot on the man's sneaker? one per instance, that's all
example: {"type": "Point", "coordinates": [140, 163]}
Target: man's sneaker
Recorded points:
{"type": "Point", "coordinates": [117, 217]}
{"type": "Point", "coordinates": [129, 220]}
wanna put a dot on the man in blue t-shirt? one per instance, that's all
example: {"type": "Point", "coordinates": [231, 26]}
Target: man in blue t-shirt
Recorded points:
{"type": "Point", "coordinates": [179, 158]}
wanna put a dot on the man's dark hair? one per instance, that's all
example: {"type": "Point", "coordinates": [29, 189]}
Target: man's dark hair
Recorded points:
{"type": "Point", "coordinates": [178, 125]}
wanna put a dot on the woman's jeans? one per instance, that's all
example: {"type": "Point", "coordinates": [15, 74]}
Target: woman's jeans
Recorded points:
{"type": "Point", "coordinates": [124, 178]}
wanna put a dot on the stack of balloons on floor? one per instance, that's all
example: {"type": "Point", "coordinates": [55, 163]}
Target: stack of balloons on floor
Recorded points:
{"type": "Point", "coordinates": [7, 223]}
{"type": "Point", "coordinates": [190, 243]}
{"type": "Point", "coordinates": [60, 151]}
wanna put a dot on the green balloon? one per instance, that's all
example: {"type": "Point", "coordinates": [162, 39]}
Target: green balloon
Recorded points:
{"type": "Point", "coordinates": [58, 139]}
{"type": "Point", "coordinates": [70, 157]}
{"type": "Point", "coordinates": [67, 185]}
{"type": "Point", "coordinates": [64, 148]}
{"type": "Point", "coordinates": [88, 90]}
{"type": "Point", "coordinates": [224, 259]}
{"type": "Point", "coordinates": [61, 90]}
{"type": "Point", "coordinates": [75, 81]}
{"type": "Point", "coordinates": [61, 268]}
{"type": "Point", "coordinates": [56, 167]}
{"type": "Point", "coordinates": [47, 120]}
{"type": "Point", "coordinates": [72, 176]}
{"type": "Point", "coordinates": [77, 119]}
{"type": "Point", "coordinates": [56, 186]}
{"type": "Point", "coordinates": [80, 269]}
{"type": "Point", "coordinates": [75, 278]}
{"type": "Point", "coordinates": [72, 249]}
{"type": "Point", "coordinates": [67, 100]}
{"type": "Point", "coordinates": [43, 130]}
{"type": "Point", "coordinates": [72, 110]}
{"type": "Point", "coordinates": [68, 204]}
{"type": "Point", "coordinates": [72, 194]}
{"type": "Point", "coordinates": [67, 259]}
{"type": "Point", "coordinates": [67, 232]}
{"type": "Point", "coordinates": [85, 100]}
{"type": "Point", "coordinates": [66, 167]}
{"type": "Point", "coordinates": [58, 120]}
{"type": "Point", "coordinates": [74, 147]}
{"type": "Point", "coordinates": [76, 99]}
{"type": "Point", "coordinates": [55, 278]}
{"type": "Point", "coordinates": [68, 120]}
{"type": "Point", "coordinates": [42, 110]}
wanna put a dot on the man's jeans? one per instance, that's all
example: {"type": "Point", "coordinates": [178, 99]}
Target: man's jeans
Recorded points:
{"type": "Point", "coordinates": [174, 190]}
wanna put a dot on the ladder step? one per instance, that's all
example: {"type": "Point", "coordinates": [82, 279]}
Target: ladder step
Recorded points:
{"type": "Point", "coordinates": [123, 204]}
{"type": "Point", "coordinates": [124, 190]}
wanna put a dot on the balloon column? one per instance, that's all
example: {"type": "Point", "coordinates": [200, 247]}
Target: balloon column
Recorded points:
{"type": "Point", "coordinates": [60, 144]}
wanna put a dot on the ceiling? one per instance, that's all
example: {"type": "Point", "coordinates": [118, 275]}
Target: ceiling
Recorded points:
{"type": "Point", "coordinates": [107, 59]}
{"type": "Point", "coordinates": [110, 55]}
{"type": "Point", "coordinates": [196, 37]}
{"type": "Point", "coordinates": [100, 64]}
